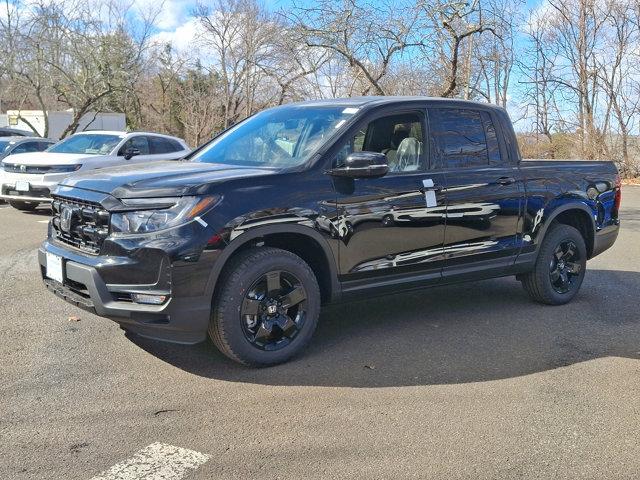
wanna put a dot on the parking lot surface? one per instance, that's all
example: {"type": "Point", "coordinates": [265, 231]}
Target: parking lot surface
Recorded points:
{"type": "Point", "coordinates": [465, 381]}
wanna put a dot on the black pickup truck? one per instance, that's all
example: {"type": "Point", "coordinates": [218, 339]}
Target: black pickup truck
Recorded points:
{"type": "Point", "coordinates": [321, 201]}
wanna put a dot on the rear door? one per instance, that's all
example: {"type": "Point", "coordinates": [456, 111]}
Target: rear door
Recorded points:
{"type": "Point", "coordinates": [484, 190]}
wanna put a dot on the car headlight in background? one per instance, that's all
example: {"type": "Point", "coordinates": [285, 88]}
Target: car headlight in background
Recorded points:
{"type": "Point", "coordinates": [63, 168]}
{"type": "Point", "coordinates": [159, 213]}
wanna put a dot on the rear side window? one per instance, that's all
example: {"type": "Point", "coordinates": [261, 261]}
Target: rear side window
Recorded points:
{"type": "Point", "coordinates": [458, 138]}
{"type": "Point", "coordinates": [159, 145]}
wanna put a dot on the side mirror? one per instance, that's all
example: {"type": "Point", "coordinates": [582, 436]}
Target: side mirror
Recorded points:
{"type": "Point", "coordinates": [362, 165]}
{"type": "Point", "coordinates": [131, 152]}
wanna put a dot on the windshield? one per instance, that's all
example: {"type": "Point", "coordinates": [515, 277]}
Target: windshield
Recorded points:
{"type": "Point", "coordinates": [281, 137]}
{"type": "Point", "coordinates": [91, 144]}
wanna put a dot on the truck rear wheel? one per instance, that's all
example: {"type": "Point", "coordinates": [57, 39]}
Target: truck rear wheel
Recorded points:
{"type": "Point", "coordinates": [267, 307]}
{"type": "Point", "coordinates": [560, 267]}
{"type": "Point", "coordinates": [23, 206]}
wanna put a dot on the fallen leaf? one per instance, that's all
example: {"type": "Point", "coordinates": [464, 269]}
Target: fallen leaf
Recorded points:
{"type": "Point", "coordinates": [370, 367]}
{"type": "Point", "coordinates": [73, 318]}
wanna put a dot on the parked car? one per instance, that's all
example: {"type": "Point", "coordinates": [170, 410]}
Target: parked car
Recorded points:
{"type": "Point", "coordinates": [15, 132]}
{"type": "Point", "coordinates": [246, 239]}
{"type": "Point", "coordinates": [28, 179]}
{"type": "Point", "coordinates": [14, 145]}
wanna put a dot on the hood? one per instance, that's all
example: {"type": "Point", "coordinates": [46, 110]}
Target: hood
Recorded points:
{"type": "Point", "coordinates": [160, 179]}
{"type": "Point", "coordinates": [47, 158]}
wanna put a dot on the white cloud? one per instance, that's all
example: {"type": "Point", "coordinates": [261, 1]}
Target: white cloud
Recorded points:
{"type": "Point", "coordinates": [182, 38]}
{"type": "Point", "coordinates": [170, 14]}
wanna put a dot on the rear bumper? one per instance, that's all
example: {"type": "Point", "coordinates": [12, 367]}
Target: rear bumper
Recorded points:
{"type": "Point", "coordinates": [179, 319]}
{"type": "Point", "coordinates": [605, 238]}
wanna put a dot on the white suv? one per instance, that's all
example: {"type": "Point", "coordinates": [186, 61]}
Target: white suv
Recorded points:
{"type": "Point", "coordinates": [27, 179]}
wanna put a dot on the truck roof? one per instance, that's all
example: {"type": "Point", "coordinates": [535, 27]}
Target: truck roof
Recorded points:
{"type": "Point", "coordinates": [374, 101]}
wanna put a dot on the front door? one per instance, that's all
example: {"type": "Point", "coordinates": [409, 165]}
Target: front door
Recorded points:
{"type": "Point", "coordinates": [484, 190]}
{"type": "Point", "coordinates": [384, 225]}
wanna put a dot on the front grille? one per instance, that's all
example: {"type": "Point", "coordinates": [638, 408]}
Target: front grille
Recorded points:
{"type": "Point", "coordinates": [34, 169]}
{"type": "Point", "coordinates": [82, 225]}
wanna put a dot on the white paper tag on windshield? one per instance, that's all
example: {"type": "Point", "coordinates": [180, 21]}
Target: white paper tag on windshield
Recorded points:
{"type": "Point", "coordinates": [350, 110]}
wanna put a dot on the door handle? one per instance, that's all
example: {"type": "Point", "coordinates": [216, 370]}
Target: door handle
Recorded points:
{"type": "Point", "coordinates": [506, 180]}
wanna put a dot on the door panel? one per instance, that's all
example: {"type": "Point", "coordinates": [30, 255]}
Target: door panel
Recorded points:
{"type": "Point", "coordinates": [484, 191]}
{"type": "Point", "coordinates": [482, 215]}
{"type": "Point", "coordinates": [384, 226]}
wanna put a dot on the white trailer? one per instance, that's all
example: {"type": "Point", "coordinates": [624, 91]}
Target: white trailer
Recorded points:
{"type": "Point", "coordinates": [59, 121]}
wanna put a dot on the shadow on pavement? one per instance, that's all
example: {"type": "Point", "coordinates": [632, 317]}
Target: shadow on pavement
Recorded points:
{"type": "Point", "coordinates": [463, 333]}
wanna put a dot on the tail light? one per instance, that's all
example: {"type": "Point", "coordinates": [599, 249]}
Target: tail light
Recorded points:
{"type": "Point", "coordinates": [618, 197]}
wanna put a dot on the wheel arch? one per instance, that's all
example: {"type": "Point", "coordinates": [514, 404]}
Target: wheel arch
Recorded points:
{"type": "Point", "coordinates": [577, 215]}
{"type": "Point", "coordinates": [300, 240]}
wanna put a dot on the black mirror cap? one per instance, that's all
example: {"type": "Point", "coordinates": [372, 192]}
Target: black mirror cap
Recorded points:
{"type": "Point", "coordinates": [363, 165]}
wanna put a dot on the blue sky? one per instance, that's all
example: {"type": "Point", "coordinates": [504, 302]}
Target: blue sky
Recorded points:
{"type": "Point", "coordinates": [176, 24]}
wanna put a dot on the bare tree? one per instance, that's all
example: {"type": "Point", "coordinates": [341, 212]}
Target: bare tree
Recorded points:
{"type": "Point", "coordinates": [367, 35]}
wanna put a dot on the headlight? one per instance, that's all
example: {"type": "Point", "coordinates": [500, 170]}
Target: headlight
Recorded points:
{"type": "Point", "coordinates": [159, 214]}
{"type": "Point", "coordinates": [64, 168]}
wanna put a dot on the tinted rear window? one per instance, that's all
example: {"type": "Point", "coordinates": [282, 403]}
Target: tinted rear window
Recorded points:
{"type": "Point", "coordinates": [159, 145]}
{"type": "Point", "coordinates": [458, 138]}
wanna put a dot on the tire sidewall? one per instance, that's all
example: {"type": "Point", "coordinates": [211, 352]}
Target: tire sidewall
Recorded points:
{"type": "Point", "coordinates": [234, 293]}
{"type": "Point", "coordinates": [558, 235]}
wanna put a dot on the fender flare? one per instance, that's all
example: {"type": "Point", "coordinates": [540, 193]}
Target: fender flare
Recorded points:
{"type": "Point", "coordinates": [259, 232]}
{"type": "Point", "coordinates": [574, 205]}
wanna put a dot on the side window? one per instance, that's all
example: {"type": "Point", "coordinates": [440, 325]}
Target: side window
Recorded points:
{"type": "Point", "coordinates": [159, 145]}
{"type": "Point", "coordinates": [458, 138]}
{"type": "Point", "coordinates": [22, 148]}
{"type": "Point", "coordinates": [493, 148]}
{"type": "Point", "coordinates": [42, 146]}
{"type": "Point", "coordinates": [176, 146]}
{"type": "Point", "coordinates": [140, 143]}
{"type": "Point", "coordinates": [27, 147]}
{"type": "Point", "coordinates": [399, 137]}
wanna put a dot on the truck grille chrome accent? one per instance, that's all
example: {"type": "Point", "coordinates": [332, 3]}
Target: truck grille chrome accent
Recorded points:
{"type": "Point", "coordinates": [82, 225]}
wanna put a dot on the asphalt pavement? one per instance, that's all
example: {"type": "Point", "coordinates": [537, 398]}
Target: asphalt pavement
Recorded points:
{"type": "Point", "coordinates": [465, 381]}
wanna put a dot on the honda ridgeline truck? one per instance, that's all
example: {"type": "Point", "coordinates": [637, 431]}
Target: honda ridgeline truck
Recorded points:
{"type": "Point", "coordinates": [315, 202]}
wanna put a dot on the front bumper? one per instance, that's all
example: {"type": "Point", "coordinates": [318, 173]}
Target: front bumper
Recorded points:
{"type": "Point", "coordinates": [40, 186]}
{"type": "Point", "coordinates": [181, 319]}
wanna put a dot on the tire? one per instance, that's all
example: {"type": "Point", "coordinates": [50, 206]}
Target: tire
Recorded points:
{"type": "Point", "coordinates": [262, 280]}
{"type": "Point", "coordinates": [555, 264]}
{"type": "Point", "coordinates": [24, 206]}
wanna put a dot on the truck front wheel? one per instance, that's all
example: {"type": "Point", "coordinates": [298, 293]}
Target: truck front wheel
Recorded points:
{"type": "Point", "coordinates": [559, 268]}
{"type": "Point", "coordinates": [266, 308]}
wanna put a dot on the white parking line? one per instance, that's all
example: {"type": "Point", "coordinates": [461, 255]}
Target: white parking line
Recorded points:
{"type": "Point", "coordinates": [43, 221]}
{"type": "Point", "coordinates": [158, 461]}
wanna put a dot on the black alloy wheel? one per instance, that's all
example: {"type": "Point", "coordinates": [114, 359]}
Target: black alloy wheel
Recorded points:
{"type": "Point", "coordinates": [273, 310]}
{"type": "Point", "coordinates": [564, 266]}
{"type": "Point", "coordinates": [267, 307]}
{"type": "Point", "coordinates": [559, 268]}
